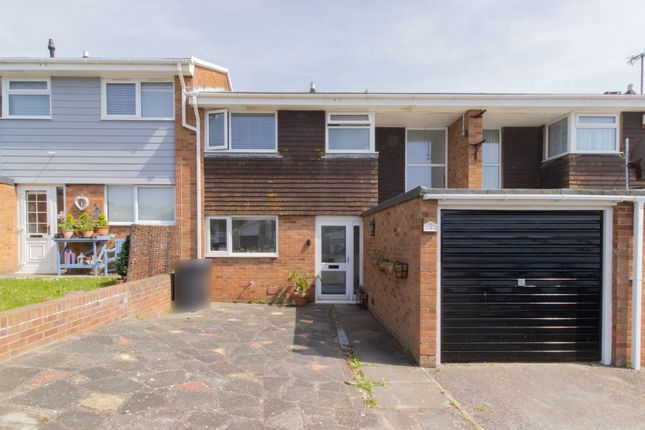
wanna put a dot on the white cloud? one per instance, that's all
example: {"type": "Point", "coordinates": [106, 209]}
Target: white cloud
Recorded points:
{"type": "Point", "coordinates": [480, 46]}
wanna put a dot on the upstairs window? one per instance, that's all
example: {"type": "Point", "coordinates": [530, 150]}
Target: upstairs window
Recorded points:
{"type": "Point", "coordinates": [557, 137]}
{"type": "Point", "coordinates": [425, 158]}
{"type": "Point", "coordinates": [27, 98]}
{"type": "Point", "coordinates": [347, 133]}
{"type": "Point", "coordinates": [138, 100]}
{"type": "Point", "coordinates": [241, 132]}
{"type": "Point", "coordinates": [491, 149]}
{"type": "Point", "coordinates": [596, 133]}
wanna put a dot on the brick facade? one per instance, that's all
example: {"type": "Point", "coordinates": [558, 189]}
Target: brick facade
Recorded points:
{"type": "Point", "coordinates": [8, 228]}
{"type": "Point", "coordinates": [406, 307]}
{"type": "Point", "coordinates": [266, 278]}
{"type": "Point", "coordinates": [94, 193]}
{"type": "Point", "coordinates": [464, 151]}
{"type": "Point", "coordinates": [30, 327]}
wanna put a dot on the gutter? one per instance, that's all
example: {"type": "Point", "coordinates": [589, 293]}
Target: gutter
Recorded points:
{"type": "Point", "coordinates": [196, 129]}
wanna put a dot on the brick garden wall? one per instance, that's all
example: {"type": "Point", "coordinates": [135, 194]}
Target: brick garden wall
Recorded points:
{"type": "Point", "coordinates": [30, 327]}
{"type": "Point", "coordinates": [406, 307]}
{"type": "Point", "coordinates": [8, 228]}
{"type": "Point", "coordinates": [153, 251]}
{"type": "Point", "coordinates": [266, 278]}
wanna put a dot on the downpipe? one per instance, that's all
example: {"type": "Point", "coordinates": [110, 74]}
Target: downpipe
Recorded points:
{"type": "Point", "coordinates": [637, 284]}
{"type": "Point", "coordinates": [198, 153]}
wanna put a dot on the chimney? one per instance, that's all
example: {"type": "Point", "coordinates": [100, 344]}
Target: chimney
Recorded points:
{"type": "Point", "coordinates": [312, 87]}
{"type": "Point", "coordinates": [86, 54]}
{"type": "Point", "coordinates": [630, 89]}
{"type": "Point", "coordinates": [52, 48]}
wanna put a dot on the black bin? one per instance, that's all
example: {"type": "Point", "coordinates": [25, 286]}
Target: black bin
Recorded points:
{"type": "Point", "coordinates": [192, 284]}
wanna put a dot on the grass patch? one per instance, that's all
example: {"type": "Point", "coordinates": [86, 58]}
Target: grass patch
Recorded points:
{"type": "Point", "coordinates": [17, 292]}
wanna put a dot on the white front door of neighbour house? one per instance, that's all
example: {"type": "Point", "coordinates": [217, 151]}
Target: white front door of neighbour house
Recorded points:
{"type": "Point", "coordinates": [338, 258]}
{"type": "Point", "coordinates": [38, 225]}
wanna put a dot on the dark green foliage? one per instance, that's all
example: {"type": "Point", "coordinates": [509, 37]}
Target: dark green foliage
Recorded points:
{"type": "Point", "coordinates": [122, 258]}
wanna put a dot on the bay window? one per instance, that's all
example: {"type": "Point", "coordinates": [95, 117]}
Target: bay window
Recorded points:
{"type": "Point", "coordinates": [242, 236]}
{"type": "Point", "coordinates": [583, 133]}
{"type": "Point", "coordinates": [241, 132]}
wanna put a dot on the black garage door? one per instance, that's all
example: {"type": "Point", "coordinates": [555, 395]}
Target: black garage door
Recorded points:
{"type": "Point", "coordinates": [521, 285]}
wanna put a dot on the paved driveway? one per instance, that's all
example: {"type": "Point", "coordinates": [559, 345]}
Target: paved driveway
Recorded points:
{"type": "Point", "coordinates": [233, 366]}
{"type": "Point", "coordinates": [548, 396]}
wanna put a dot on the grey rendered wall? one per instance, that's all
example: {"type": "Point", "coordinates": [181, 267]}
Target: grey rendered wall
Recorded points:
{"type": "Point", "coordinates": [75, 146]}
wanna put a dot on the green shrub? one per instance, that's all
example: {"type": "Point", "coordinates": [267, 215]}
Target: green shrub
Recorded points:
{"type": "Point", "coordinates": [85, 222]}
{"type": "Point", "coordinates": [122, 259]}
{"type": "Point", "coordinates": [101, 220]}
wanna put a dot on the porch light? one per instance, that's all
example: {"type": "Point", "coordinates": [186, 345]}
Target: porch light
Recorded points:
{"type": "Point", "coordinates": [372, 227]}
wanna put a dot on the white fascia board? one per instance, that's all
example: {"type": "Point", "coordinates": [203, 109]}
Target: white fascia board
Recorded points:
{"type": "Point", "coordinates": [94, 66]}
{"type": "Point", "coordinates": [470, 198]}
{"type": "Point", "coordinates": [411, 101]}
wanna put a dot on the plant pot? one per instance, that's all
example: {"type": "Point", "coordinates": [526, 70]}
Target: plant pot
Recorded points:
{"type": "Point", "coordinates": [87, 233]}
{"type": "Point", "coordinates": [68, 234]}
{"type": "Point", "coordinates": [119, 281]}
{"type": "Point", "coordinates": [300, 300]}
{"type": "Point", "coordinates": [102, 231]}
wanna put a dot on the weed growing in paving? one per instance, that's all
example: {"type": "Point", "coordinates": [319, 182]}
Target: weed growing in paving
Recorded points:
{"type": "Point", "coordinates": [366, 386]}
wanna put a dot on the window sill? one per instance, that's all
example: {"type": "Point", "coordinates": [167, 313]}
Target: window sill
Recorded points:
{"type": "Point", "coordinates": [332, 155]}
{"type": "Point", "coordinates": [555, 157]}
{"type": "Point", "coordinates": [232, 154]}
{"type": "Point", "coordinates": [25, 117]}
{"type": "Point", "coordinates": [249, 255]}
{"type": "Point", "coordinates": [153, 223]}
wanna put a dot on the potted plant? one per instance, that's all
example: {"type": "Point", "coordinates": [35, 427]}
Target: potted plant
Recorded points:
{"type": "Point", "coordinates": [301, 283]}
{"type": "Point", "coordinates": [86, 225]}
{"type": "Point", "coordinates": [101, 227]}
{"type": "Point", "coordinates": [67, 226]}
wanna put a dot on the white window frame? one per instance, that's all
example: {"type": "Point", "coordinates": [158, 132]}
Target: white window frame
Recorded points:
{"type": "Point", "coordinates": [137, 115]}
{"type": "Point", "coordinates": [577, 125]}
{"type": "Point", "coordinates": [135, 205]}
{"type": "Point", "coordinates": [229, 237]}
{"type": "Point", "coordinates": [445, 165]}
{"type": "Point", "coordinates": [228, 133]}
{"type": "Point", "coordinates": [572, 126]}
{"type": "Point", "coordinates": [499, 160]}
{"type": "Point", "coordinates": [6, 92]}
{"type": "Point", "coordinates": [350, 124]}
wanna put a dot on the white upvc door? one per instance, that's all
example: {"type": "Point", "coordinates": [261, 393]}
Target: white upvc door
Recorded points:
{"type": "Point", "coordinates": [338, 258]}
{"type": "Point", "coordinates": [38, 225]}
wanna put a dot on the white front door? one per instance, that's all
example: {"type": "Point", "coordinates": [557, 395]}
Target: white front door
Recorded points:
{"type": "Point", "coordinates": [37, 208]}
{"type": "Point", "coordinates": [338, 258]}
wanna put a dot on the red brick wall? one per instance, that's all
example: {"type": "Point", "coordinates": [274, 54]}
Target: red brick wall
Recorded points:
{"type": "Point", "coordinates": [94, 193]}
{"type": "Point", "coordinates": [8, 229]}
{"type": "Point", "coordinates": [406, 307]}
{"type": "Point", "coordinates": [622, 264]}
{"type": "Point", "coordinates": [30, 327]}
{"type": "Point", "coordinates": [464, 157]}
{"type": "Point", "coordinates": [266, 278]}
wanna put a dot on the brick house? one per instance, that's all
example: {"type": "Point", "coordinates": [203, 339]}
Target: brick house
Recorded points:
{"type": "Point", "coordinates": [482, 227]}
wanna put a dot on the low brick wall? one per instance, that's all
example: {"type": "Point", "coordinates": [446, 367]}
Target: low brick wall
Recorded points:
{"type": "Point", "coordinates": [30, 327]}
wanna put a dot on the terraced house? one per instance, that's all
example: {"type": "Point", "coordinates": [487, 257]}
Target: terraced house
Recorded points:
{"type": "Point", "coordinates": [476, 227]}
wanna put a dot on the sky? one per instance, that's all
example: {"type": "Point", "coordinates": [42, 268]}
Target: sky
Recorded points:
{"type": "Point", "coordinates": [541, 46]}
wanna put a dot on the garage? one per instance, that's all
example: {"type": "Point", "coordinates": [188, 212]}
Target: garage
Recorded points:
{"type": "Point", "coordinates": [521, 285]}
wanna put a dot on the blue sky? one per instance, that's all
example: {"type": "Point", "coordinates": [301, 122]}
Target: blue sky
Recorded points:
{"type": "Point", "coordinates": [435, 46]}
